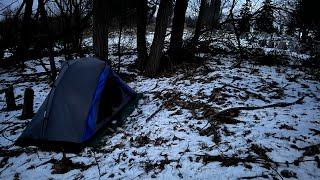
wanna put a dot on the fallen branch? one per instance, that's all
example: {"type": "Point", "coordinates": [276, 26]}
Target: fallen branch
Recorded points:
{"type": "Point", "coordinates": [11, 122]}
{"type": "Point", "coordinates": [258, 96]}
{"type": "Point", "coordinates": [236, 110]}
{"type": "Point", "coordinates": [160, 107]}
{"type": "Point", "coordinates": [35, 75]}
{"type": "Point", "coordinates": [12, 126]}
{"type": "Point", "coordinates": [154, 113]}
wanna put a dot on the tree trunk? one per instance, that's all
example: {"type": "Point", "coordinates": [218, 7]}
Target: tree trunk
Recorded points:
{"type": "Point", "coordinates": [1, 50]}
{"type": "Point", "coordinates": [119, 41]}
{"type": "Point", "coordinates": [44, 20]}
{"type": "Point", "coordinates": [215, 10]}
{"type": "Point", "coordinates": [304, 34]}
{"type": "Point", "coordinates": [178, 25]}
{"type": "Point", "coordinates": [100, 30]}
{"type": "Point", "coordinates": [199, 23]}
{"type": "Point", "coordinates": [163, 16]}
{"type": "Point", "coordinates": [10, 100]}
{"type": "Point", "coordinates": [77, 32]}
{"type": "Point", "coordinates": [237, 34]}
{"type": "Point", "coordinates": [25, 34]}
{"type": "Point", "coordinates": [142, 9]}
{"type": "Point", "coordinates": [27, 111]}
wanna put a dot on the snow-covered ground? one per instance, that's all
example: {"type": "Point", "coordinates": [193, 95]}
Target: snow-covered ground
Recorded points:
{"type": "Point", "coordinates": [164, 137]}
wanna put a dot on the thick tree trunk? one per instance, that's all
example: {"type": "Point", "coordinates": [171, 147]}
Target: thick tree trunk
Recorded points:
{"type": "Point", "coordinates": [26, 34]}
{"type": "Point", "coordinates": [163, 16]}
{"type": "Point", "coordinates": [178, 25]}
{"type": "Point", "coordinates": [10, 100]}
{"type": "Point", "coordinates": [199, 23]}
{"type": "Point", "coordinates": [44, 20]}
{"type": "Point", "coordinates": [27, 111]}
{"type": "Point", "coordinates": [215, 10]}
{"type": "Point", "coordinates": [100, 30]}
{"type": "Point", "coordinates": [142, 9]}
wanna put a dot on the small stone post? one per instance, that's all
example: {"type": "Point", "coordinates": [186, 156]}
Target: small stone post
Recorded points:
{"type": "Point", "coordinates": [10, 100]}
{"type": "Point", "coordinates": [27, 111]}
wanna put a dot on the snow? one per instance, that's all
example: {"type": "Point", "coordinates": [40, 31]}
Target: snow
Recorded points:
{"type": "Point", "coordinates": [169, 145]}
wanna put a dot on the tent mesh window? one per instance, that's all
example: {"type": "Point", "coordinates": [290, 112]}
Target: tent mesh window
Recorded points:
{"type": "Point", "coordinates": [111, 99]}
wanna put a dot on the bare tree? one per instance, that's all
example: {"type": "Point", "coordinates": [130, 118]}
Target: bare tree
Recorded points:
{"type": "Point", "coordinates": [74, 18]}
{"type": "Point", "coordinates": [26, 33]}
{"type": "Point", "coordinates": [100, 29]}
{"type": "Point", "coordinates": [50, 42]}
{"type": "Point", "coordinates": [178, 25]}
{"type": "Point", "coordinates": [142, 15]}
{"type": "Point", "coordinates": [199, 23]}
{"type": "Point", "coordinates": [163, 16]}
{"type": "Point", "coordinates": [236, 32]}
{"type": "Point", "coordinates": [214, 13]}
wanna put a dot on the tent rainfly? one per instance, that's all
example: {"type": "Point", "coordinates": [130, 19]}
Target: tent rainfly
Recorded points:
{"type": "Point", "coordinates": [85, 97]}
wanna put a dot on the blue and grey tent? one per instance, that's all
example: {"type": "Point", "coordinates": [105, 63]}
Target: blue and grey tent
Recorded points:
{"type": "Point", "coordinates": [85, 97]}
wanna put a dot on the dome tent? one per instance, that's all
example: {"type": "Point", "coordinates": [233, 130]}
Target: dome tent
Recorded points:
{"type": "Point", "coordinates": [85, 97]}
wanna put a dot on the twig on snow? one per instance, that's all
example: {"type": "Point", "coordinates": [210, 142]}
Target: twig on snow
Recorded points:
{"type": "Point", "coordinates": [96, 160]}
{"type": "Point", "coordinates": [154, 113]}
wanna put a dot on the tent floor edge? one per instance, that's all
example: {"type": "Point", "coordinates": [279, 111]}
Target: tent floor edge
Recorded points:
{"type": "Point", "coordinates": [51, 146]}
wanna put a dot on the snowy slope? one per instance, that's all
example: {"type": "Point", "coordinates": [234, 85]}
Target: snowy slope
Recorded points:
{"type": "Point", "coordinates": [163, 138]}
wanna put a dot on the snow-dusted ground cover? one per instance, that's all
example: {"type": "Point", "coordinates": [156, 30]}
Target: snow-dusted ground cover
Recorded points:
{"type": "Point", "coordinates": [165, 136]}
